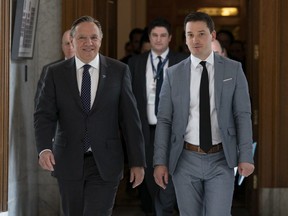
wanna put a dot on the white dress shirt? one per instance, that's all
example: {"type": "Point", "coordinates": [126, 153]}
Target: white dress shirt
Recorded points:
{"type": "Point", "coordinates": [192, 130]}
{"type": "Point", "coordinates": [94, 74]}
{"type": "Point", "coordinates": [151, 84]}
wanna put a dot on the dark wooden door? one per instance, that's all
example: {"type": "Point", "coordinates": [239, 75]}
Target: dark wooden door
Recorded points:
{"type": "Point", "coordinates": [103, 10]}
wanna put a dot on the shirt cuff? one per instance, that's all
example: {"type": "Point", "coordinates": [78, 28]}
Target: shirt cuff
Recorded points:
{"type": "Point", "coordinates": [45, 150]}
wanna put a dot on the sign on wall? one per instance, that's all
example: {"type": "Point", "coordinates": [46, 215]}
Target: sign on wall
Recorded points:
{"type": "Point", "coordinates": [24, 29]}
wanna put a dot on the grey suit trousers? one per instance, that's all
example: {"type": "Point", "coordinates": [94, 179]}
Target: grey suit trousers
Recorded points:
{"type": "Point", "coordinates": [204, 184]}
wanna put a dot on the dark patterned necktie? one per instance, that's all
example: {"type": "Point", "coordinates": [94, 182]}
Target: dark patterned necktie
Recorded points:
{"type": "Point", "coordinates": [205, 119]}
{"type": "Point", "coordinates": [86, 100]}
{"type": "Point", "coordinates": [86, 89]}
{"type": "Point", "coordinates": [159, 81]}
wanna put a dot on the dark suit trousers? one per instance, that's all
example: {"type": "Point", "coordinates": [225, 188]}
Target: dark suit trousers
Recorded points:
{"type": "Point", "coordinates": [90, 196]}
{"type": "Point", "coordinates": [164, 200]}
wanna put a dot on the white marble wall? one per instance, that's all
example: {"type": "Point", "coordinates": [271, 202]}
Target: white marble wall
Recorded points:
{"type": "Point", "coordinates": [32, 192]}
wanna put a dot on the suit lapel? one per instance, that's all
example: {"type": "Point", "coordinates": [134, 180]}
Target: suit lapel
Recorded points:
{"type": "Point", "coordinates": [171, 59]}
{"type": "Point", "coordinates": [142, 71]}
{"type": "Point", "coordinates": [71, 78]}
{"type": "Point", "coordinates": [218, 79]}
{"type": "Point", "coordinates": [102, 80]}
{"type": "Point", "coordinates": [185, 85]}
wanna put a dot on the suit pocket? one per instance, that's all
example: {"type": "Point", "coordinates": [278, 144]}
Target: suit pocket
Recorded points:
{"type": "Point", "coordinates": [228, 87]}
{"type": "Point", "coordinates": [227, 80]}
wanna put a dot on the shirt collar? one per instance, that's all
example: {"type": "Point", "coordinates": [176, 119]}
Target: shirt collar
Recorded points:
{"type": "Point", "coordinates": [163, 55]}
{"type": "Point", "coordinates": [94, 63]}
{"type": "Point", "coordinates": [195, 61]}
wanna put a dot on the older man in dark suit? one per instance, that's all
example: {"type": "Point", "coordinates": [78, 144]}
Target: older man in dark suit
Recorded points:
{"type": "Point", "coordinates": [89, 96]}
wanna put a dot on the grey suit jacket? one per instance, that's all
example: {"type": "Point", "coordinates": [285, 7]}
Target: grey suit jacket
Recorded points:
{"type": "Point", "coordinates": [233, 108]}
{"type": "Point", "coordinates": [114, 106]}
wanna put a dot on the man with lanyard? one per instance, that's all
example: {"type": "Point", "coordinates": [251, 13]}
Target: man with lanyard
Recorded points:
{"type": "Point", "coordinates": [147, 71]}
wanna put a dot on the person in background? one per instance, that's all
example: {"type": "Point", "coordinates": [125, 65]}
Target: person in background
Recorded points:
{"type": "Point", "coordinates": [147, 72]}
{"type": "Point", "coordinates": [225, 38]}
{"type": "Point", "coordinates": [68, 52]}
{"type": "Point", "coordinates": [183, 48]}
{"type": "Point", "coordinates": [145, 45]}
{"type": "Point", "coordinates": [67, 47]}
{"type": "Point", "coordinates": [237, 52]}
{"type": "Point", "coordinates": [89, 96]}
{"type": "Point", "coordinates": [204, 125]}
{"type": "Point", "coordinates": [128, 48]}
{"type": "Point", "coordinates": [136, 43]}
{"type": "Point", "coordinates": [134, 39]}
{"type": "Point", "coordinates": [217, 48]}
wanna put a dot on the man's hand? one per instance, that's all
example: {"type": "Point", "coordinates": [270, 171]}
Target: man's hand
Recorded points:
{"type": "Point", "coordinates": [46, 160]}
{"type": "Point", "coordinates": [161, 175]}
{"type": "Point", "coordinates": [136, 176]}
{"type": "Point", "coordinates": [245, 169]}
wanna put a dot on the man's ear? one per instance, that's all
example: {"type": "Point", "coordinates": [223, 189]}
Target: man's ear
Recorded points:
{"type": "Point", "coordinates": [213, 33]}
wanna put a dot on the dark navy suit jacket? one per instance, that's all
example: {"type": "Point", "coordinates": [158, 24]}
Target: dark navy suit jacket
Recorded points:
{"type": "Point", "coordinates": [114, 106]}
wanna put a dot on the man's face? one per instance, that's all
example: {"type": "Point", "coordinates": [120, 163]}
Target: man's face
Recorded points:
{"type": "Point", "coordinates": [87, 41]}
{"type": "Point", "coordinates": [199, 39]}
{"type": "Point", "coordinates": [136, 42]}
{"type": "Point", "coordinates": [67, 46]}
{"type": "Point", "coordinates": [159, 39]}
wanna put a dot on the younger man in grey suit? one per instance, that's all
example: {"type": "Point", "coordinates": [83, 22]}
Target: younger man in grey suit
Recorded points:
{"type": "Point", "coordinates": [203, 125]}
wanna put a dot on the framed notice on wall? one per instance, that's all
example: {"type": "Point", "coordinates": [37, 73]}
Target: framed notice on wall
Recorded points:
{"type": "Point", "coordinates": [24, 29]}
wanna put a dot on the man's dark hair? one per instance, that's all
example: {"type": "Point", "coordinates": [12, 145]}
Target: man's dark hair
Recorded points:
{"type": "Point", "coordinates": [200, 16]}
{"type": "Point", "coordinates": [159, 22]}
{"type": "Point", "coordinates": [133, 32]}
{"type": "Point", "coordinates": [85, 19]}
{"type": "Point", "coordinates": [145, 37]}
{"type": "Point", "coordinates": [226, 32]}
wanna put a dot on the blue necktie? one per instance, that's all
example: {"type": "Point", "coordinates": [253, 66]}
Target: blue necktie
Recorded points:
{"type": "Point", "coordinates": [159, 81]}
{"type": "Point", "coordinates": [86, 100]}
{"type": "Point", "coordinates": [205, 119]}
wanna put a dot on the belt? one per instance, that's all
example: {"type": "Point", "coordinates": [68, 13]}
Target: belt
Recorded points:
{"type": "Point", "coordinates": [196, 148]}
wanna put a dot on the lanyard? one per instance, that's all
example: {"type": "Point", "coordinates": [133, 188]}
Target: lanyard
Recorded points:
{"type": "Point", "coordinates": [155, 72]}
